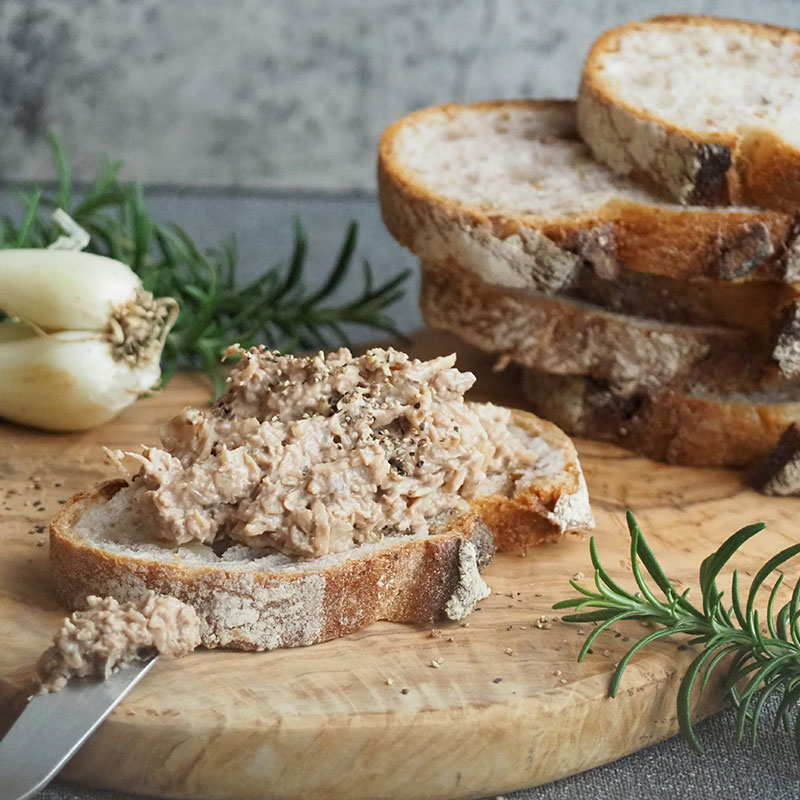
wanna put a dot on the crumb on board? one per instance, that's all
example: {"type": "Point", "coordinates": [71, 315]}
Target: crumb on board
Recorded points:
{"type": "Point", "coordinates": [435, 633]}
{"type": "Point", "coordinates": [389, 681]}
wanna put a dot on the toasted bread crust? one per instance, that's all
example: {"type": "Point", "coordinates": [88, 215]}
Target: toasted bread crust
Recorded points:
{"type": "Point", "coordinates": [562, 336]}
{"type": "Point", "coordinates": [403, 579]}
{"type": "Point", "coordinates": [549, 506]}
{"type": "Point", "coordinates": [692, 167]}
{"type": "Point", "coordinates": [544, 253]}
{"type": "Point", "coordinates": [757, 306]}
{"type": "Point", "coordinates": [666, 425]}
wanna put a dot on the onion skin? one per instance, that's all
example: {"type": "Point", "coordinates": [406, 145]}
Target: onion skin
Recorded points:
{"type": "Point", "coordinates": [59, 290]}
{"type": "Point", "coordinates": [68, 381]}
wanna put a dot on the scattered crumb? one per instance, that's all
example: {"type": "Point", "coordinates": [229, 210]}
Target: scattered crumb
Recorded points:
{"type": "Point", "coordinates": [523, 627]}
{"type": "Point", "coordinates": [404, 691]}
{"type": "Point", "coordinates": [510, 652]}
{"type": "Point", "coordinates": [606, 653]}
{"type": "Point", "coordinates": [501, 364]}
{"type": "Point", "coordinates": [450, 639]}
{"type": "Point", "coordinates": [563, 680]}
{"type": "Point", "coordinates": [389, 681]}
{"type": "Point", "coordinates": [436, 663]}
{"type": "Point", "coordinates": [581, 631]}
{"type": "Point", "coordinates": [465, 624]}
{"type": "Point", "coordinates": [497, 680]}
{"type": "Point", "coordinates": [578, 576]}
{"type": "Point", "coordinates": [435, 633]}
{"type": "Point", "coordinates": [556, 672]}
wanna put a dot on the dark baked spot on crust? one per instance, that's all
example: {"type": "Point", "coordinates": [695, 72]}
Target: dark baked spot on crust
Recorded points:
{"type": "Point", "coordinates": [711, 179]}
{"type": "Point", "coordinates": [598, 247]}
{"type": "Point", "coordinates": [743, 252]}
{"type": "Point", "coordinates": [787, 347]}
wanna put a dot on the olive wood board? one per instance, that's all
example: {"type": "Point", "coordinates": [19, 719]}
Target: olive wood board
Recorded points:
{"type": "Point", "coordinates": [370, 716]}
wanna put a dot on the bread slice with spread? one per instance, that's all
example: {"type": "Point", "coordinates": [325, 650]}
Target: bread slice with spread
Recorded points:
{"type": "Point", "coordinates": [703, 109]}
{"type": "Point", "coordinates": [321, 494]}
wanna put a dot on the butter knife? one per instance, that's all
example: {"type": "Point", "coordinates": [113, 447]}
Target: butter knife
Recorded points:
{"type": "Point", "coordinates": [53, 726]}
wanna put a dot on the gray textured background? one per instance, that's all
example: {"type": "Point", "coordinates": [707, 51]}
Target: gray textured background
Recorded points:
{"type": "Point", "coordinates": [260, 94]}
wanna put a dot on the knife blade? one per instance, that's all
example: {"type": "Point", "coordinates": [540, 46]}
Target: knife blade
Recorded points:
{"type": "Point", "coordinates": [53, 726]}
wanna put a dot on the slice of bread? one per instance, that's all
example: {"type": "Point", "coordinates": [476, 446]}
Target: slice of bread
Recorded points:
{"type": "Point", "coordinates": [510, 191]}
{"type": "Point", "coordinates": [570, 337]}
{"type": "Point", "coordinates": [695, 428]}
{"type": "Point", "coordinates": [255, 599]}
{"type": "Point", "coordinates": [758, 306]}
{"type": "Point", "coordinates": [706, 110]}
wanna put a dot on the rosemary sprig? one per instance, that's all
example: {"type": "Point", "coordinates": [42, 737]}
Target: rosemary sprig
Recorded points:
{"type": "Point", "coordinates": [761, 657]}
{"type": "Point", "coordinates": [276, 309]}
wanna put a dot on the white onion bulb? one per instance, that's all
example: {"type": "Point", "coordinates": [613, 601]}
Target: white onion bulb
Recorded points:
{"type": "Point", "coordinates": [84, 339]}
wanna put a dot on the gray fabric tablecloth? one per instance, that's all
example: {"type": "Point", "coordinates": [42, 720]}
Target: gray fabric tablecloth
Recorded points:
{"type": "Point", "coordinates": [263, 224]}
{"type": "Point", "coordinates": [666, 771]}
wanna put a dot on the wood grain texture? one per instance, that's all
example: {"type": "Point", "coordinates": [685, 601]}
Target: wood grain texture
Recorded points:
{"type": "Point", "coordinates": [368, 716]}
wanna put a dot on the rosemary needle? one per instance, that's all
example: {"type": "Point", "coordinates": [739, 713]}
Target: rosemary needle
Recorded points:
{"type": "Point", "coordinates": [761, 655]}
{"type": "Point", "coordinates": [276, 309]}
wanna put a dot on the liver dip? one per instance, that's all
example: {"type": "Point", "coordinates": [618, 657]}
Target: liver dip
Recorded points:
{"type": "Point", "coordinates": [318, 454]}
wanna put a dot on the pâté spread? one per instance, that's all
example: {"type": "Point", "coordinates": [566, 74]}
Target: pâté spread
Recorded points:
{"type": "Point", "coordinates": [108, 635]}
{"type": "Point", "coordinates": [318, 454]}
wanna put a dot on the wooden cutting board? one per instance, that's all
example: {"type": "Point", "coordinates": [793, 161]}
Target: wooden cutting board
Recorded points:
{"type": "Point", "coordinates": [369, 716]}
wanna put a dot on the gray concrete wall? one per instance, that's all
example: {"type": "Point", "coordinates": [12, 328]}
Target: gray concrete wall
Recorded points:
{"type": "Point", "coordinates": [264, 94]}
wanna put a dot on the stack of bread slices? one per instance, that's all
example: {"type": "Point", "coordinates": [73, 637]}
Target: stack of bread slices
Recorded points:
{"type": "Point", "coordinates": [637, 252]}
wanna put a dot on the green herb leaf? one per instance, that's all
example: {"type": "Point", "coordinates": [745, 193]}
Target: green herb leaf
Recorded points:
{"type": "Point", "coordinates": [759, 662]}
{"type": "Point", "coordinates": [276, 309]}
